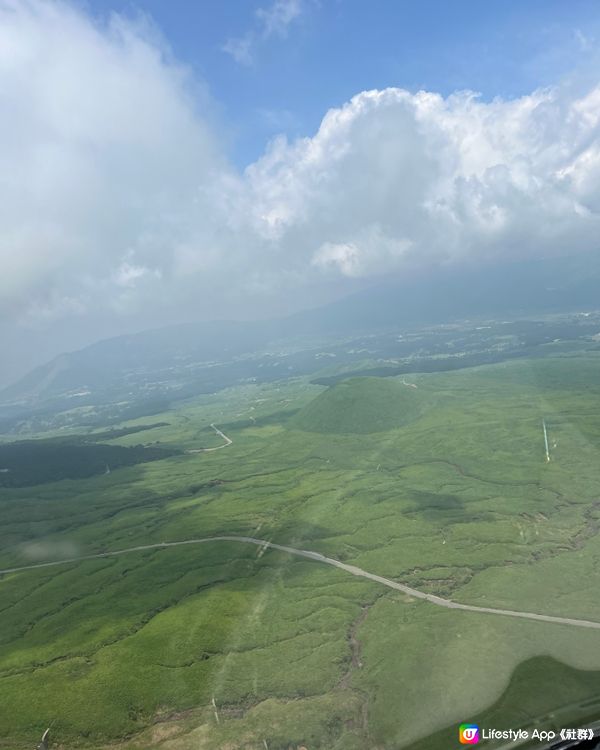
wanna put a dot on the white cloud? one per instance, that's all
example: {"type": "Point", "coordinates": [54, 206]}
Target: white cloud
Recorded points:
{"type": "Point", "coordinates": [273, 21]}
{"type": "Point", "coordinates": [371, 252]}
{"type": "Point", "coordinates": [116, 198]}
{"type": "Point", "coordinates": [241, 49]}
{"type": "Point", "coordinates": [276, 19]}
{"type": "Point", "coordinates": [105, 152]}
{"type": "Point", "coordinates": [343, 256]}
{"type": "Point", "coordinates": [394, 175]}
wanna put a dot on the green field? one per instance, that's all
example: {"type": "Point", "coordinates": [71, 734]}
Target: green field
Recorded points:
{"type": "Point", "coordinates": [443, 486]}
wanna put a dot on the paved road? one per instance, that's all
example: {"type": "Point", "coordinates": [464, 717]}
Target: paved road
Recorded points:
{"type": "Point", "coordinates": [318, 557]}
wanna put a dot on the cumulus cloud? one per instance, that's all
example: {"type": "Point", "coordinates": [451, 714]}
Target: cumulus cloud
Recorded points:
{"type": "Point", "coordinates": [117, 198]}
{"type": "Point", "coordinates": [394, 177]}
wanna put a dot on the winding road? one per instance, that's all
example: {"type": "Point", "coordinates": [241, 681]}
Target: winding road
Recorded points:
{"type": "Point", "coordinates": [318, 557]}
{"type": "Point", "coordinates": [228, 441]}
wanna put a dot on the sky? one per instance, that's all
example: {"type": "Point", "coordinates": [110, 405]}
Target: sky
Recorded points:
{"type": "Point", "coordinates": [172, 161]}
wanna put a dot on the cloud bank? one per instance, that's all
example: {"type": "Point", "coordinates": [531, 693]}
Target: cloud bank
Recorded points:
{"type": "Point", "coordinates": [117, 197]}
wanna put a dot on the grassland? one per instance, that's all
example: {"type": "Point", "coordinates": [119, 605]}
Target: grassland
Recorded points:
{"type": "Point", "coordinates": [360, 406]}
{"type": "Point", "coordinates": [447, 490]}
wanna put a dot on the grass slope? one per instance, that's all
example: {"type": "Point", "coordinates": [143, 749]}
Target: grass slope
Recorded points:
{"type": "Point", "coordinates": [460, 502]}
{"type": "Point", "coordinates": [360, 405]}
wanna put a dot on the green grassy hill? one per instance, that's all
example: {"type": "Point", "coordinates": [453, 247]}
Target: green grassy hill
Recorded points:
{"type": "Point", "coordinates": [360, 405]}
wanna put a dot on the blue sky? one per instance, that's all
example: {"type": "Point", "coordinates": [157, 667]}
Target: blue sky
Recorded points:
{"type": "Point", "coordinates": [334, 49]}
{"type": "Point", "coordinates": [143, 182]}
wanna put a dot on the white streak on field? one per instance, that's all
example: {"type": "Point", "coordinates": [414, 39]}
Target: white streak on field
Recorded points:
{"type": "Point", "coordinates": [546, 440]}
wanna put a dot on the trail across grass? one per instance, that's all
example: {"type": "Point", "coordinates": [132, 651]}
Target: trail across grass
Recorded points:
{"type": "Point", "coordinates": [228, 441]}
{"type": "Point", "coordinates": [318, 557]}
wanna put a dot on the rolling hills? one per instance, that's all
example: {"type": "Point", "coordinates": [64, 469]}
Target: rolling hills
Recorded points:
{"type": "Point", "coordinates": [361, 405]}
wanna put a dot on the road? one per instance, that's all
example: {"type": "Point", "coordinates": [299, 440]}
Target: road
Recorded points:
{"type": "Point", "coordinates": [228, 441]}
{"type": "Point", "coordinates": [318, 557]}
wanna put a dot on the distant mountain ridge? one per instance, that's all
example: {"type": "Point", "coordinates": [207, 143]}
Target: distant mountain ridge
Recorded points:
{"type": "Point", "coordinates": [161, 356]}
